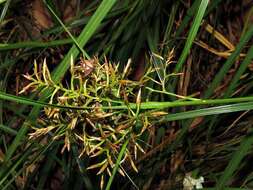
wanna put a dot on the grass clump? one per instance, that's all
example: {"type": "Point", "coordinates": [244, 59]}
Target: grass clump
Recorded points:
{"type": "Point", "coordinates": [173, 103]}
{"type": "Point", "coordinates": [100, 131]}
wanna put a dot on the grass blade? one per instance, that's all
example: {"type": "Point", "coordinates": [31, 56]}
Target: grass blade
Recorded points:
{"type": "Point", "coordinates": [144, 105]}
{"type": "Point", "coordinates": [86, 34]}
{"type": "Point", "coordinates": [4, 11]}
{"type": "Point", "coordinates": [34, 44]}
{"type": "Point", "coordinates": [207, 111]}
{"type": "Point", "coordinates": [8, 130]}
{"type": "Point", "coordinates": [192, 34]}
{"type": "Point", "coordinates": [219, 76]}
{"type": "Point", "coordinates": [245, 146]}
{"type": "Point", "coordinates": [187, 18]}
{"type": "Point", "coordinates": [46, 169]}
{"type": "Point", "coordinates": [67, 30]}
{"type": "Point", "coordinates": [240, 71]}
{"type": "Point", "coordinates": [115, 169]}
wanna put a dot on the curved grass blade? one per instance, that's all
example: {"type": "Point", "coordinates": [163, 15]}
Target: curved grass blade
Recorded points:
{"type": "Point", "coordinates": [239, 72]}
{"type": "Point", "coordinates": [220, 75]}
{"type": "Point", "coordinates": [247, 142]}
{"type": "Point", "coordinates": [234, 82]}
{"type": "Point", "coordinates": [243, 66]}
{"type": "Point", "coordinates": [243, 150]}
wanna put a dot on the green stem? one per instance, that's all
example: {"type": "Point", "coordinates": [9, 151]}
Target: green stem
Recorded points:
{"type": "Point", "coordinates": [35, 44]}
{"type": "Point", "coordinates": [115, 169]}
{"type": "Point", "coordinates": [144, 105]}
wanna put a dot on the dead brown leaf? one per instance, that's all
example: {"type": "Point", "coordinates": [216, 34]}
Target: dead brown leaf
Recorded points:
{"type": "Point", "coordinates": [41, 15]}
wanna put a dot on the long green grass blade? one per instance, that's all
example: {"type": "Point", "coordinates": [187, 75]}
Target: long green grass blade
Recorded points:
{"type": "Point", "coordinates": [144, 105]}
{"type": "Point", "coordinates": [190, 13]}
{"type": "Point", "coordinates": [116, 167]}
{"type": "Point", "coordinates": [207, 111]}
{"type": "Point", "coordinates": [67, 30]}
{"type": "Point", "coordinates": [245, 146]}
{"type": "Point", "coordinates": [220, 75]}
{"type": "Point", "coordinates": [239, 72]}
{"type": "Point", "coordinates": [86, 34]}
{"type": "Point", "coordinates": [246, 143]}
{"type": "Point", "coordinates": [192, 34]}
{"type": "Point", "coordinates": [234, 82]}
